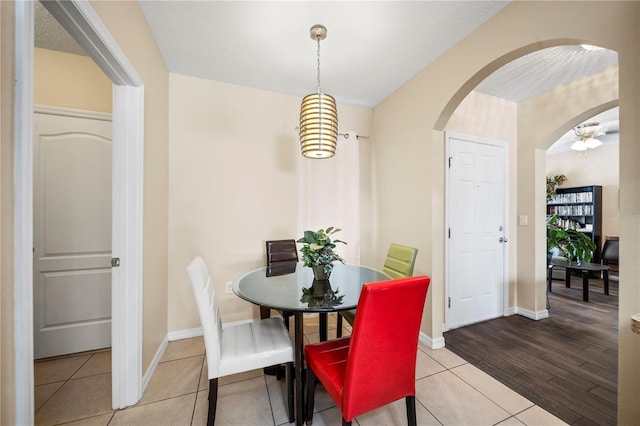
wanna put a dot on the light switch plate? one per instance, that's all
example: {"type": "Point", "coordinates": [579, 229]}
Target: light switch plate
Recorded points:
{"type": "Point", "coordinates": [523, 220]}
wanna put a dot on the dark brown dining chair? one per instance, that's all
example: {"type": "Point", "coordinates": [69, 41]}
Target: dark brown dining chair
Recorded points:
{"type": "Point", "coordinates": [282, 257]}
{"type": "Point", "coordinates": [610, 253]}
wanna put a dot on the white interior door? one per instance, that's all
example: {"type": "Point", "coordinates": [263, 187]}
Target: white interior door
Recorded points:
{"type": "Point", "coordinates": [72, 234]}
{"type": "Point", "coordinates": [476, 218]}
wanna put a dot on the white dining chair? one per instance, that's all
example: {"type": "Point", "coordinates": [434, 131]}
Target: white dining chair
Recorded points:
{"type": "Point", "coordinates": [237, 348]}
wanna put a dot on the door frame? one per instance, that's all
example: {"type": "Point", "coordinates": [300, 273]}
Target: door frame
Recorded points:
{"type": "Point", "coordinates": [505, 268]}
{"type": "Point", "coordinates": [84, 25]}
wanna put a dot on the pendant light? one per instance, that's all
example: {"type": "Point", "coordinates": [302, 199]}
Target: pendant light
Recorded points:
{"type": "Point", "coordinates": [318, 115]}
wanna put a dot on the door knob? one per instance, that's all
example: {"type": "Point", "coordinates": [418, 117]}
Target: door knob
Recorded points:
{"type": "Point", "coordinates": [502, 240]}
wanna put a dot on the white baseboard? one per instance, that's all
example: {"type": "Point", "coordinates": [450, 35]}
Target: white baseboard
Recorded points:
{"type": "Point", "coordinates": [534, 315]}
{"type": "Point", "coordinates": [154, 363]}
{"type": "Point", "coordinates": [431, 343]}
{"type": "Point", "coordinates": [188, 333]}
{"type": "Point", "coordinates": [184, 334]}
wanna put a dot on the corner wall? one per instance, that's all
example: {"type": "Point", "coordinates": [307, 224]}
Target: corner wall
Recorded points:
{"type": "Point", "coordinates": [234, 154]}
{"type": "Point", "coordinates": [127, 24]}
{"type": "Point", "coordinates": [7, 206]}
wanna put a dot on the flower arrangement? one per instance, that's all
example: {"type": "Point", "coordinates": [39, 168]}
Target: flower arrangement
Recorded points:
{"type": "Point", "coordinates": [318, 250]}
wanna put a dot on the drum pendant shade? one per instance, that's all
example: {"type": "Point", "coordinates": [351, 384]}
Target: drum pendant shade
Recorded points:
{"type": "Point", "coordinates": [318, 126]}
{"type": "Point", "coordinates": [318, 115]}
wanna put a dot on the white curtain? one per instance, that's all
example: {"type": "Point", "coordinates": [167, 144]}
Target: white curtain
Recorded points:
{"type": "Point", "coordinates": [329, 195]}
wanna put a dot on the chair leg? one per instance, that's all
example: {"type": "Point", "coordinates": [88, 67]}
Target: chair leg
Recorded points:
{"type": "Point", "coordinates": [311, 389]}
{"type": "Point", "coordinates": [290, 401]}
{"type": "Point", "coordinates": [265, 312]}
{"type": "Point", "coordinates": [345, 423]}
{"type": "Point", "coordinates": [339, 326]}
{"type": "Point", "coordinates": [411, 410]}
{"type": "Point", "coordinates": [285, 318]}
{"type": "Point", "coordinates": [213, 401]}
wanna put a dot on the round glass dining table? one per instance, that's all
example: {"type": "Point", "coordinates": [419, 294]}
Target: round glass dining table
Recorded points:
{"type": "Point", "coordinates": [292, 288]}
{"type": "Point", "coordinates": [296, 290]}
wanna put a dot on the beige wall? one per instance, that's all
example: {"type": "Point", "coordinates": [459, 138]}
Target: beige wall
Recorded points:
{"type": "Point", "coordinates": [233, 184]}
{"type": "Point", "coordinates": [408, 129]}
{"type": "Point", "coordinates": [494, 118]}
{"type": "Point", "coordinates": [70, 81]}
{"type": "Point", "coordinates": [127, 24]}
{"type": "Point", "coordinates": [598, 167]}
{"type": "Point", "coordinates": [7, 324]}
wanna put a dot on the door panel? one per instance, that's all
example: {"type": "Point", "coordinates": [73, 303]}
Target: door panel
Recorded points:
{"type": "Point", "coordinates": [72, 234]}
{"type": "Point", "coordinates": [476, 219]}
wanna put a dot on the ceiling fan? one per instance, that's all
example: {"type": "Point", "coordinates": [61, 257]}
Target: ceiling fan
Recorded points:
{"type": "Point", "coordinates": [587, 136]}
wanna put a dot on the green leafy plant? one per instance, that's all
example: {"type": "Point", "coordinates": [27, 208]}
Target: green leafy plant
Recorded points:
{"type": "Point", "coordinates": [572, 243]}
{"type": "Point", "coordinates": [318, 248]}
{"type": "Point", "coordinates": [553, 182]}
{"type": "Point", "coordinates": [326, 298]}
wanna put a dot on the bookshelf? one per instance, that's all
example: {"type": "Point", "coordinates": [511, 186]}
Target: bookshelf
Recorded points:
{"type": "Point", "coordinates": [580, 208]}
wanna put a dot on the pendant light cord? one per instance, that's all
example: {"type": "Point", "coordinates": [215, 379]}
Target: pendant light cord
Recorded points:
{"type": "Point", "coordinates": [318, 39]}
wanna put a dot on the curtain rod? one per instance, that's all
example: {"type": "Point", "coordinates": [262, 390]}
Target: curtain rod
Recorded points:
{"type": "Point", "coordinates": [344, 135]}
{"type": "Point", "coordinates": [347, 135]}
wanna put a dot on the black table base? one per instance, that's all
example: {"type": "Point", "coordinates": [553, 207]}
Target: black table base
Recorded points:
{"type": "Point", "coordinates": [586, 269]}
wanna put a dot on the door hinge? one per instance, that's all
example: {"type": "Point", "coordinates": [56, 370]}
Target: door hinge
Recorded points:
{"type": "Point", "coordinates": [449, 232]}
{"type": "Point", "coordinates": [450, 158]}
{"type": "Point", "coordinates": [115, 262]}
{"type": "Point", "coordinates": [449, 302]}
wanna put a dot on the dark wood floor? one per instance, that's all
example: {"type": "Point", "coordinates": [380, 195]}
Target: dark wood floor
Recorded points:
{"type": "Point", "coordinates": [566, 364]}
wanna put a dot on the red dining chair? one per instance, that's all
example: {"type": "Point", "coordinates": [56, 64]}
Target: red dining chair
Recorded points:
{"type": "Point", "coordinates": [376, 365]}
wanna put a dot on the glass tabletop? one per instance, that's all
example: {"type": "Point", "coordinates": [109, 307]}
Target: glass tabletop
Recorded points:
{"type": "Point", "coordinates": [296, 290]}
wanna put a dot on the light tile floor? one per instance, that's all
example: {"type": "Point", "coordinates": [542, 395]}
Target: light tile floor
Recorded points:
{"type": "Point", "coordinates": [76, 390]}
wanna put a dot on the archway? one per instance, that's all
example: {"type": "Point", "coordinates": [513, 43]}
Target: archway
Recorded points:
{"type": "Point", "coordinates": [408, 141]}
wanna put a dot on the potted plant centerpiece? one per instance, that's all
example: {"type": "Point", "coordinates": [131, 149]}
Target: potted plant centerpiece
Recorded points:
{"type": "Point", "coordinates": [318, 251]}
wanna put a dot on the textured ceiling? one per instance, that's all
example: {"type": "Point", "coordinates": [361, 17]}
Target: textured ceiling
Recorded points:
{"type": "Point", "coordinates": [48, 34]}
{"type": "Point", "coordinates": [544, 70]}
{"type": "Point", "coordinates": [372, 47]}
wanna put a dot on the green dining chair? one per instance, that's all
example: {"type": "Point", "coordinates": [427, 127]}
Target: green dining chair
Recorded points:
{"type": "Point", "coordinates": [398, 264]}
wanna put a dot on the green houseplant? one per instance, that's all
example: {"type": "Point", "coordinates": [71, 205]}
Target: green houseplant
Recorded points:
{"type": "Point", "coordinates": [553, 182]}
{"type": "Point", "coordinates": [318, 251]}
{"type": "Point", "coordinates": [572, 243]}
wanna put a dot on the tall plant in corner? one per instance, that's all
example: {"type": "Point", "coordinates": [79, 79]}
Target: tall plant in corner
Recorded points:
{"type": "Point", "coordinates": [318, 251]}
